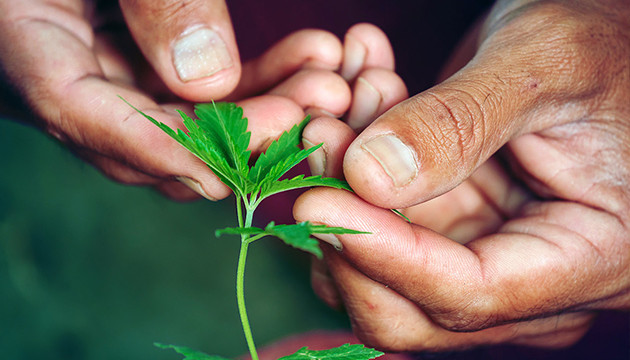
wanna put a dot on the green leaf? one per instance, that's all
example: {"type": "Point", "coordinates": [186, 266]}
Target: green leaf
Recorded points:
{"type": "Point", "coordinates": [190, 354]}
{"type": "Point", "coordinates": [397, 212]}
{"type": "Point", "coordinates": [325, 229]}
{"type": "Point", "coordinates": [223, 123]}
{"type": "Point", "coordinates": [219, 138]}
{"type": "Point", "coordinates": [238, 231]}
{"type": "Point", "coordinates": [343, 352]}
{"type": "Point", "coordinates": [280, 156]}
{"type": "Point", "coordinates": [298, 182]}
{"type": "Point", "coordinates": [296, 235]}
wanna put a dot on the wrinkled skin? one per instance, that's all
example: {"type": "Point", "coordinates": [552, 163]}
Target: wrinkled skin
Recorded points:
{"type": "Point", "coordinates": [70, 60]}
{"type": "Point", "coordinates": [514, 172]}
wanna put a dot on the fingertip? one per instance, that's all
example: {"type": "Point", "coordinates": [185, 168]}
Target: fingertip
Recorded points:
{"type": "Point", "coordinates": [375, 91]}
{"type": "Point", "coordinates": [383, 168]}
{"type": "Point", "coordinates": [336, 136]}
{"type": "Point", "coordinates": [204, 63]}
{"type": "Point", "coordinates": [366, 46]}
{"type": "Point", "coordinates": [191, 45]}
{"type": "Point", "coordinates": [319, 89]}
{"type": "Point", "coordinates": [268, 117]}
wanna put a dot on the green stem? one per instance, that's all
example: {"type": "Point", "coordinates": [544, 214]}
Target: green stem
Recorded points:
{"type": "Point", "coordinates": [240, 297]}
{"type": "Point", "coordinates": [240, 279]}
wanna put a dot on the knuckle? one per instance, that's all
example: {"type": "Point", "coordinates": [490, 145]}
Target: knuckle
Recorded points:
{"type": "Point", "coordinates": [389, 325]}
{"type": "Point", "coordinates": [164, 10]}
{"type": "Point", "coordinates": [474, 314]}
{"type": "Point", "coordinates": [457, 124]}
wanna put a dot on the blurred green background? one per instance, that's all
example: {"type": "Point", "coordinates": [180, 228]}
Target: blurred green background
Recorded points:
{"type": "Point", "coordinates": [90, 269]}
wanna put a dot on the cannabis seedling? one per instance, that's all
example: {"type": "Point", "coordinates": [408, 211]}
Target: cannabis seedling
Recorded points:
{"type": "Point", "coordinates": [219, 137]}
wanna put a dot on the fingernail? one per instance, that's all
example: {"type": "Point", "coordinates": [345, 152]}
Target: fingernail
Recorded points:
{"type": "Point", "coordinates": [316, 112]}
{"type": "Point", "coordinates": [195, 186]}
{"type": "Point", "coordinates": [331, 239]}
{"type": "Point", "coordinates": [316, 160]}
{"type": "Point", "coordinates": [354, 53]}
{"type": "Point", "coordinates": [395, 157]}
{"type": "Point", "coordinates": [365, 105]}
{"type": "Point", "coordinates": [200, 52]}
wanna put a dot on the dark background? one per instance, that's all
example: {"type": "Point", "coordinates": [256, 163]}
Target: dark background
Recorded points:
{"type": "Point", "coordinates": [90, 269]}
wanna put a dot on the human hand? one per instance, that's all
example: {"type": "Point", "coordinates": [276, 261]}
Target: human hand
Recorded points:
{"type": "Point", "coordinates": [521, 246]}
{"type": "Point", "coordinates": [70, 60]}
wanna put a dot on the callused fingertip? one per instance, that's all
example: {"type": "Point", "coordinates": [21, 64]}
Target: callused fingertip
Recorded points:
{"type": "Point", "coordinates": [394, 156]}
{"type": "Point", "coordinates": [200, 52]}
{"type": "Point", "coordinates": [195, 186]}
{"type": "Point", "coordinates": [330, 239]}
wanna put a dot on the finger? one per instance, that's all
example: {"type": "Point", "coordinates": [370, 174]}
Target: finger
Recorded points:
{"type": "Point", "coordinates": [536, 265]}
{"type": "Point", "coordinates": [268, 117]}
{"type": "Point", "coordinates": [476, 207]}
{"type": "Point", "coordinates": [375, 91]}
{"type": "Point", "coordinates": [81, 108]}
{"type": "Point", "coordinates": [304, 49]}
{"type": "Point", "coordinates": [473, 209]}
{"type": "Point", "coordinates": [336, 136]}
{"type": "Point", "coordinates": [178, 190]}
{"type": "Point", "coordinates": [316, 89]}
{"type": "Point", "coordinates": [428, 144]}
{"type": "Point", "coordinates": [323, 284]}
{"type": "Point", "coordinates": [365, 46]}
{"type": "Point", "coordinates": [190, 44]}
{"type": "Point", "coordinates": [383, 319]}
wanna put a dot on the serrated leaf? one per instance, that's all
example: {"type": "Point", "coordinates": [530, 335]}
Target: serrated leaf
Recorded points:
{"type": "Point", "coordinates": [274, 160]}
{"type": "Point", "coordinates": [298, 182]}
{"type": "Point", "coordinates": [224, 124]}
{"type": "Point", "coordinates": [296, 235]}
{"type": "Point", "coordinates": [190, 354]}
{"type": "Point", "coordinates": [343, 352]}
{"type": "Point", "coordinates": [219, 138]}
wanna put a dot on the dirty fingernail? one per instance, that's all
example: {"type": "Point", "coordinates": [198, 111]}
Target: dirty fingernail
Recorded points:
{"type": "Point", "coordinates": [316, 160]}
{"type": "Point", "coordinates": [200, 52]}
{"type": "Point", "coordinates": [395, 157]}
{"type": "Point", "coordinates": [195, 186]}
{"type": "Point", "coordinates": [331, 239]}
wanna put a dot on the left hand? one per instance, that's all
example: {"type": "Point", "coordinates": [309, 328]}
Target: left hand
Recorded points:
{"type": "Point", "coordinates": [520, 250]}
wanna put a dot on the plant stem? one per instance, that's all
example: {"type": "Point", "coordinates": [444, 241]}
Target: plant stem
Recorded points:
{"type": "Point", "coordinates": [240, 298]}
{"type": "Point", "coordinates": [240, 282]}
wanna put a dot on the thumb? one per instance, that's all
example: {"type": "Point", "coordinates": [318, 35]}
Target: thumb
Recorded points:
{"type": "Point", "coordinates": [190, 44]}
{"type": "Point", "coordinates": [430, 143]}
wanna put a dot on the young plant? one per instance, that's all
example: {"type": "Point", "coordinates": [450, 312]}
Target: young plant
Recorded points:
{"type": "Point", "coordinates": [219, 137]}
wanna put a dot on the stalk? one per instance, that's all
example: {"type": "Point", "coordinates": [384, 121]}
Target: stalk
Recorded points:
{"type": "Point", "coordinates": [240, 297]}
{"type": "Point", "coordinates": [240, 280]}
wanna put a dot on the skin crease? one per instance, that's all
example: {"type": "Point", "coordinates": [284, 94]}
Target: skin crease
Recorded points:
{"type": "Point", "coordinates": [74, 93]}
{"type": "Point", "coordinates": [519, 210]}
{"type": "Point", "coordinates": [538, 123]}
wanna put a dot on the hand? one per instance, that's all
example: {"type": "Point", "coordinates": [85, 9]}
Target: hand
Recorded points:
{"type": "Point", "coordinates": [70, 60]}
{"type": "Point", "coordinates": [514, 173]}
